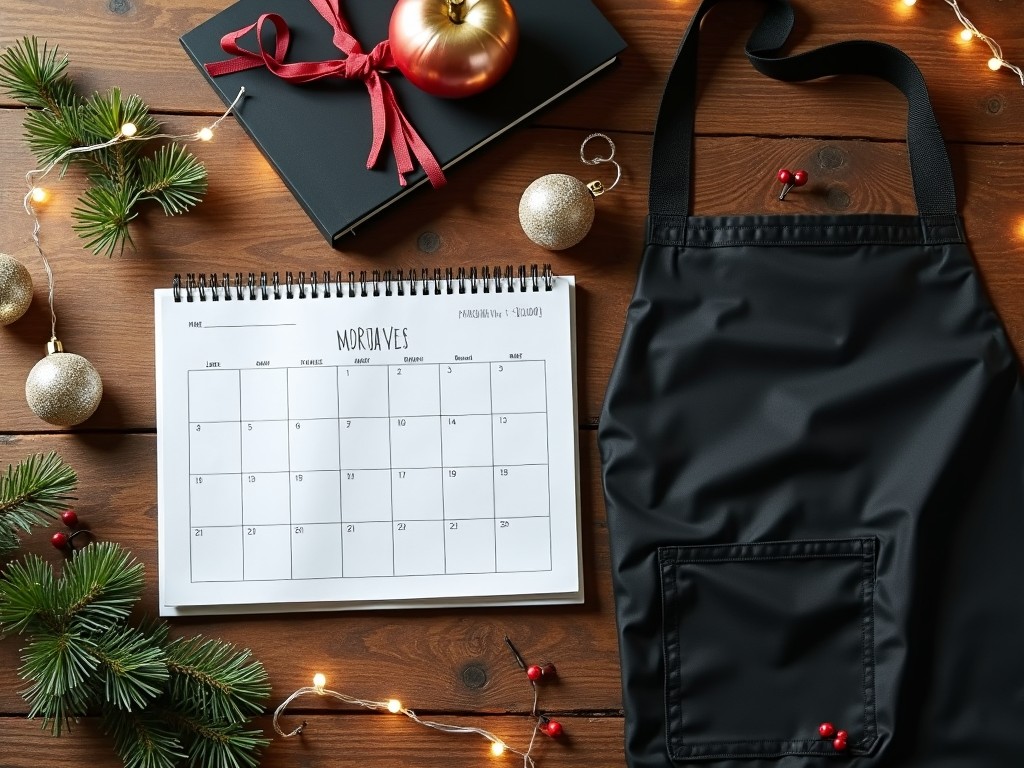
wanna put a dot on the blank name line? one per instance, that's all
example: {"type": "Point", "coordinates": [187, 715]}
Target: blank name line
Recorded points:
{"type": "Point", "coordinates": [252, 325]}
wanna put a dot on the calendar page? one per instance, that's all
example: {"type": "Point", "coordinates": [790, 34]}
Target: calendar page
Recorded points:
{"type": "Point", "coordinates": [337, 450]}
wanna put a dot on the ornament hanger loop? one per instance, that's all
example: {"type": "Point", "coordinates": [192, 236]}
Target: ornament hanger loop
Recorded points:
{"type": "Point", "coordinates": [601, 159]}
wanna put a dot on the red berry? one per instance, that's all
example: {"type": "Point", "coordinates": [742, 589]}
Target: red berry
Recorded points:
{"type": "Point", "coordinates": [784, 176]}
{"type": "Point", "coordinates": [534, 672]}
{"type": "Point", "coordinates": [69, 517]}
{"type": "Point", "coordinates": [839, 744]}
{"type": "Point", "coordinates": [59, 540]}
{"type": "Point", "coordinates": [552, 728]}
{"type": "Point", "coordinates": [842, 735]}
{"type": "Point", "coordinates": [548, 670]}
{"type": "Point", "coordinates": [799, 178]}
{"type": "Point", "coordinates": [826, 730]}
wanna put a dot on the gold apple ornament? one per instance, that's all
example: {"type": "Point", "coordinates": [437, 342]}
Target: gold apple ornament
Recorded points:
{"type": "Point", "coordinates": [453, 48]}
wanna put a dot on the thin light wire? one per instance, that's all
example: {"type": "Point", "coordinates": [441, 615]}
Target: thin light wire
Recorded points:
{"type": "Point", "coordinates": [33, 177]}
{"type": "Point", "coordinates": [528, 761]}
{"type": "Point", "coordinates": [997, 51]}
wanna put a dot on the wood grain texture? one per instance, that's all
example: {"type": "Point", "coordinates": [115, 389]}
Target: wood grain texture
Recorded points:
{"type": "Point", "coordinates": [342, 739]}
{"type": "Point", "coordinates": [250, 222]}
{"type": "Point", "coordinates": [972, 103]}
{"type": "Point", "coordinates": [847, 133]}
{"type": "Point", "coordinates": [452, 660]}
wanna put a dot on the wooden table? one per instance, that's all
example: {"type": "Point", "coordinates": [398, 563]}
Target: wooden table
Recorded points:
{"type": "Point", "coordinates": [848, 135]}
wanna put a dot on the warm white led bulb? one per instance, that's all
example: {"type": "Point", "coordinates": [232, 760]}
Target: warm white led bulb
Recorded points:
{"type": "Point", "coordinates": [205, 134]}
{"type": "Point", "coordinates": [966, 35]}
{"type": "Point", "coordinates": [497, 748]}
{"type": "Point", "coordinates": [129, 129]}
{"type": "Point", "coordinates": [909, 3]}
{"type": "Point", "coordinates": [394, 706]}
{"type": "Point", "coordinates": [39, 195]}
{"type": "Point", "coordinates": [319, 681]}
{"type": "Point", "coordinates": [995, 63]}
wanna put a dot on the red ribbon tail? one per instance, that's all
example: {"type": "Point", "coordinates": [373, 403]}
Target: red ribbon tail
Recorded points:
{"type": "Point", "coordinates": [422, 152]}
{"type": "Point", "coordinates": [399, 144]}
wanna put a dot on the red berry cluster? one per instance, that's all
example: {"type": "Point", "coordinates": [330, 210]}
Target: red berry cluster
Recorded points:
{"type": "Point", "coordinates": [61, 540]}
{"type": "Point", "coordinates": [539, 673]}
{"type": "Point", "coordinates": [839, 738]}
{"type": "Point", "coordinates": [789, 179]}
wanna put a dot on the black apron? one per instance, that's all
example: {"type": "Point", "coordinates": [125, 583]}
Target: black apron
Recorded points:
{"type": "Point", "coordinates": [812, 456]}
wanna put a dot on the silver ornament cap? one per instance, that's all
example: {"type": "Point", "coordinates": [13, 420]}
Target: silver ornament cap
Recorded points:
{"type": "Point", "coordinates": [63, 389]}
{"type": "Point", "coordinates": [15, 289]}
{"type": "Point", "coordinates": [556, 211]}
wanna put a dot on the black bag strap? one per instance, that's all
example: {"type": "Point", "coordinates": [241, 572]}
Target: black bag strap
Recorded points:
{"type": "Point", "coordinates": [672, 160]}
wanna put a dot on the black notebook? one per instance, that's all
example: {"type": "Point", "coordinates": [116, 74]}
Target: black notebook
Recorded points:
{"type": "Point", "coordinates": [318, 136]}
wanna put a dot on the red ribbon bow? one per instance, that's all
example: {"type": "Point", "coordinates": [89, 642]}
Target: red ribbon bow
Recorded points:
{"type": "Point", "coordinates": [388, 118]}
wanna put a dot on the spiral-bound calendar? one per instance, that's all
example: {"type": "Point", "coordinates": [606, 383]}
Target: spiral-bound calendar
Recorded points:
{"type": "Point", "coordinates": [376, 440]}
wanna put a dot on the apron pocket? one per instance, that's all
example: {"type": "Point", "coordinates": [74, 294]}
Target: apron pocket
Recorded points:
{"type": "Point", "coordinates": [764, 642]}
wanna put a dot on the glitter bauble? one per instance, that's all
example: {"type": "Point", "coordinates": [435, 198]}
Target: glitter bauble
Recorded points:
{"type": "Point", "coordinates": [63, 389]}
{"type": "Point", "coordinates": [556, 211]}
{"type": "Point", "coordinates": [15, 289]}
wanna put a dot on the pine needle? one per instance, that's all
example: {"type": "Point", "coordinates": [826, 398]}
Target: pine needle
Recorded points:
{"type": "Point", "coordinates": [215, 678]}
{"type": "Point", "coordinates": [34, 491]}
{"type": "Point", "coordinates": [120, 178]}
{"type": "Point", "coordinates": [166, 703]}
{"type": "Point", "coordinates": [37, 77]}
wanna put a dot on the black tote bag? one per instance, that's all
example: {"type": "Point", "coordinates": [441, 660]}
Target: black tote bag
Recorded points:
{"type": "Point", "coordinates": [813, 459]}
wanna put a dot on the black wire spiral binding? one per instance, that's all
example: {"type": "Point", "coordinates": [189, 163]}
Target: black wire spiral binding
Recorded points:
{"type": "Point", "coordinates": [429, 282]}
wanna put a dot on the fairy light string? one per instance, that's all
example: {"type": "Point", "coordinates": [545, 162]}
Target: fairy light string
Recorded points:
{"type": "Point", "coordinates": [38, 195]}
{"type": "Point", "coordinates": [498, 746]}
{"type": "Point", "coordinates": [970, 32]}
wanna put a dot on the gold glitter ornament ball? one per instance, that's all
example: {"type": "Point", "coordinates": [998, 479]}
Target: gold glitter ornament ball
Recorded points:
{"type": "Point", "coordinates": [63, 389]}
{"type": "Point", "coordinates": [15, 289]}
{"type": "Point", "coordinates": [556, 211]}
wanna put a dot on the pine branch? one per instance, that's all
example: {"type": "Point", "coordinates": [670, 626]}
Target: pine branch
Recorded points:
{"type": "Point", "coordinates": [36, 489]}
{"type": "Point", "coordinates": [103, 215]}
{"type": "Point", "coordinates": [50, 135]}
{"type": "Point", "coordinates": [166, 703]}
{"type": "Point", "coordinates": [100, 585]}
{"type": "Point", "coordinates": [215, 678]}
{"type": "Point", "coordinates": [119, 176]}
{"type": "Point", "coordinates": [103, 114]}
{"type": "Point", "coordinates": [212, 744]}
{"type": "Point", "coordinates": [37, 78]}
{"type": "Point", "coordinates": [60, 669]}
{"type": "Point", "coordinates": [143, 739]}
{"type": "Point", "coordinates": [174, 178]}
{"type": "Point", "coordinates": [134, 668]}
{"type": "Point", "coordinates": [28, 598]}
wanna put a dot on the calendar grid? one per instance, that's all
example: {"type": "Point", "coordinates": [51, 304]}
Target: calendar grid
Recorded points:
{"type": "Point", "coordinates": [482, 505]}
{"type": "Point", "coordinates": [391, 486]}
{"type": "Point", "coordinates": [191, 527]}
{"type": "Point", "coordinates": [494, 489]}
{"type": "Point", "coordinates": [341, 489]}
{"type": "Point", "coordinates": [241, 475]}
{"type": "Point", "coordinates": [444, 513]}
{"type": "Point", "coordinates": [547, 454]}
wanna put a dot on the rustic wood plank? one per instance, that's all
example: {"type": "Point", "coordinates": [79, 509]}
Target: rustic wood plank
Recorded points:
{"type": "Point", "coordinates": [973, 103]}
{"type": "Point", "coordinates": [453, 660]}
{"type": "Point", "coordinates": [249, 222]}
{"type": "Point", "coordinates": [353, 739]}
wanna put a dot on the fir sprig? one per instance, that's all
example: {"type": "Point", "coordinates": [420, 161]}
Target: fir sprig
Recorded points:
{"type": "Point", "coordinates": [121, 178]}
{"type": "Point", "coordinates": [31, 493]}
{"type": "Point", "coordinates": [166, 703]}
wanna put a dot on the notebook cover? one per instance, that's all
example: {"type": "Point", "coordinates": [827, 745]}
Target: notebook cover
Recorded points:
{"type": "Point", "coordinates": [318, 135]}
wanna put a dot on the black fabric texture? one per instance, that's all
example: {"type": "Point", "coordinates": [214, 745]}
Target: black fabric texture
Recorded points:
{"type": "Point", "coordinates": [813, 463]}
